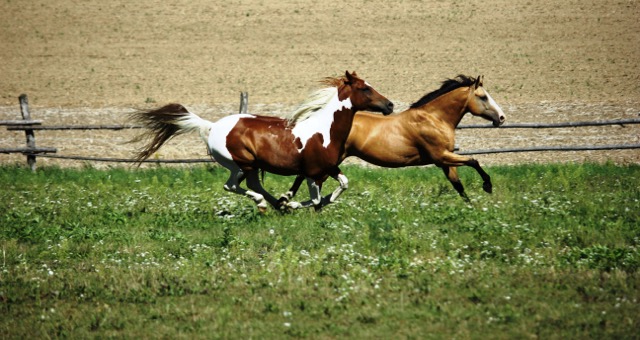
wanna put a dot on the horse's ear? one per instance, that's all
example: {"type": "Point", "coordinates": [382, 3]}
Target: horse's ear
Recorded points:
{"type": "Point", "coordinates": [478, 82]}
{"type": "Point", "coordinates": [349, 77]}
{"type": "Point", "coordinates": [482, 80]}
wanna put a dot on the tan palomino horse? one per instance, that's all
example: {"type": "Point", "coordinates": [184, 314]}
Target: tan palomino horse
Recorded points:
{"type": "Point", "coordinates": [424, 134]}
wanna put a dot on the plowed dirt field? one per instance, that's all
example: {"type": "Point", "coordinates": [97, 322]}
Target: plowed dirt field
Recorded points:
{"type": "Point", "coordinates": [91, 62]}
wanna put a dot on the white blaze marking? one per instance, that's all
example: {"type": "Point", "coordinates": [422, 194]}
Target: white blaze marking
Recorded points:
{"type": "Point", "coordinates": [492, 103]}
{"type": "Point", "coordinates": [320, 122]}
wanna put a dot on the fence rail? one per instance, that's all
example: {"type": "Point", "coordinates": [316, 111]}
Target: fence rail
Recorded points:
{"type": "Point", "coordinates": [29, 125]}
{"type": "Point", "coordinates": [20, 122]}
{"type": "Point", "coordinates": [23, 126]}
{"type": "Point", "coordinates": [29, 150]}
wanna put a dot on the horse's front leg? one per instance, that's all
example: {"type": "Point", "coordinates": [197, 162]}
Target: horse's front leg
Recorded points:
{"type": "Point", "coordinates": [287, 196]}
{"type": "Point", "coordinates": [486, 185]}
{"type": "Point", "coordinates": [452, 176]}
{"type": "Point", "coordinates": [317, 201]}
{"type": "Point", "coordinates": [452, 159]}
{"type": "Point", "coordinates": [314, 193]}
{"type": "Point", "coordinates": [343, 186]}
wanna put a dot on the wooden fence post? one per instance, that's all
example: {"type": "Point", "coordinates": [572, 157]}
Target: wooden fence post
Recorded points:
{"type": "Point", "coordinates": [31, 137]}
{"type": "Point", "coordinates": [244, 102]}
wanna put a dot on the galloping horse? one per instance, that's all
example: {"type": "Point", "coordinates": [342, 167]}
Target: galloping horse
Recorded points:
{"type": "Point", "coordinates": [423, 134]}
{"type": "Point", "coordinates": [309, 143]}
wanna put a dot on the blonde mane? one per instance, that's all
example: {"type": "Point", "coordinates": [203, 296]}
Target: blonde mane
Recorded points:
{"type": "Point", "coordinates": [315, 101]}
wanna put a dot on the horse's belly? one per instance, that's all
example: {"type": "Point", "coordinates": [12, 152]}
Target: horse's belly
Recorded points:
{"type": "Point", "coordinates": [387, 156]}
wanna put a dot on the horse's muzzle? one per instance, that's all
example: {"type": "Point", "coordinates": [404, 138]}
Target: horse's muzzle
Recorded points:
{"type": "Point", "coordinates": [388, 108]}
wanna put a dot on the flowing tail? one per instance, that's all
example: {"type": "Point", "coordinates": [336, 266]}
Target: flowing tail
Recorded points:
{"type": "Point", "coordinates": [163, 124]}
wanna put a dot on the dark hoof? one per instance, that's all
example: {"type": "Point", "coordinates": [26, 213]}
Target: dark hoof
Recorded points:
{"type": "Point", "coordinates": [283, 200]}
{"type": "Point", "coordinates": [487, 187]}
{"type": "Point", "coordinates": [285, 209]}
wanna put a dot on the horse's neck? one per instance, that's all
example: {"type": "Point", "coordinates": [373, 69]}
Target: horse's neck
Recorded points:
{"type": "Point", "coordinates": [325, 116]}
{"type": "Point", "coordinates": [450, 107]}
{"type": "Point", "coordinates": [326, 122]}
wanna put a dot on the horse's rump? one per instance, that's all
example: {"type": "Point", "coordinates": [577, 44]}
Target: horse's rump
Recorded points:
{"type": "Point", "coordinates": [264, 142]}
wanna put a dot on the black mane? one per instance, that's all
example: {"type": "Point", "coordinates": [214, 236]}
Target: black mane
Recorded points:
{"type": "Point", "coordinates": [447, 86]}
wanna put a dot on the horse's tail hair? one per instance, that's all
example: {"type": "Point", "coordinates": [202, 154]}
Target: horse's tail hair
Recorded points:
{"type": "Point", "coordinates": [163, 124]}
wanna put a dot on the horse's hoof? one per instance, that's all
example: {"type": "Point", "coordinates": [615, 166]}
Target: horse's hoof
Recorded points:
{"type": "Point", "coordinates": [487, 187]}
{"type": "Point", "coordinates": [284, 208]}
{"type": "Point", "coordinates": [294, 205]}
{"type": "Point", "coordinates": [283, 200]}
{"type": "Point", "coordinates": [262, 209]}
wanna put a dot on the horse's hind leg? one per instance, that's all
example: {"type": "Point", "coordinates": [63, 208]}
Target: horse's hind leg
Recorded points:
{"type": "Point", "coordinates": [233, 185]}
{"type": "Point", "coordinates": [253, 182]}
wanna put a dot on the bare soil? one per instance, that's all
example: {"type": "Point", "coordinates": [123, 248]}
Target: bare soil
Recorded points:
{"type": "Point", "coordinates": [91, 62]}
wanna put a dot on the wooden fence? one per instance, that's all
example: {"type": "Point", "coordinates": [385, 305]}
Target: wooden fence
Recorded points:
{"type": "Point", "coordinates": [29, 126]}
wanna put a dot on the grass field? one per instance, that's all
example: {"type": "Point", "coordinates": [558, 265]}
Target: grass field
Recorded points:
{"type": "Point", "coordinates": [165, 252]}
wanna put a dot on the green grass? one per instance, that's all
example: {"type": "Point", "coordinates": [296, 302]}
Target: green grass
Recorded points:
{"type": "Point", "coordinates": [167, 253]}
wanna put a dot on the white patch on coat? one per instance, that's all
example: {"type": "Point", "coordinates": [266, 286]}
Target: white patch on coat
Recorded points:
{"type": "Point", "coordinates": [217, 141]}
{"type": "Point", "coordinates": [320, 122]}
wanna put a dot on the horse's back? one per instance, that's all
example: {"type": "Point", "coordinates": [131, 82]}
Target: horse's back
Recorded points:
{"type": "Point", "coordinates": [255, 142]}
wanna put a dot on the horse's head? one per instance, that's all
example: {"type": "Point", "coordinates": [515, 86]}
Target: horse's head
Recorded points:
{"type": "Point", "coordinates": [481, 104]}
{"type": "Point", "coordinates": [364, 97]}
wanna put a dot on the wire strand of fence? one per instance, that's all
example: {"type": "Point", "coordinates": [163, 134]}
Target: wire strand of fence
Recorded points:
{"type": "Point", "coordinates": [460, 152]}
{"type": "Point", "coordinates": [553, 125]}
{"type": "Point", "coordinates": [125, 160]}
{"type": "Point", "coordinates": [553, 148]}
{"type": "Point", "coordinates": [15, 127]}
{"type": "Point", "coordinates": [74, 127]}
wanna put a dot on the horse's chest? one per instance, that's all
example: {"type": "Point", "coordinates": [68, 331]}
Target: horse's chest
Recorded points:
{"type": "Point", "coordinates": [437, 136]}
{"type": "Point", "coordinates": [315, 131]}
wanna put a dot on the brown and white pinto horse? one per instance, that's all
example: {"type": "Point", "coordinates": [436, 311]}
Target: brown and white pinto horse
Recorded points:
{"type": "Point", "coordinates": [309, 143]}
{"type": "Point", "coordinates": [423, 134]}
